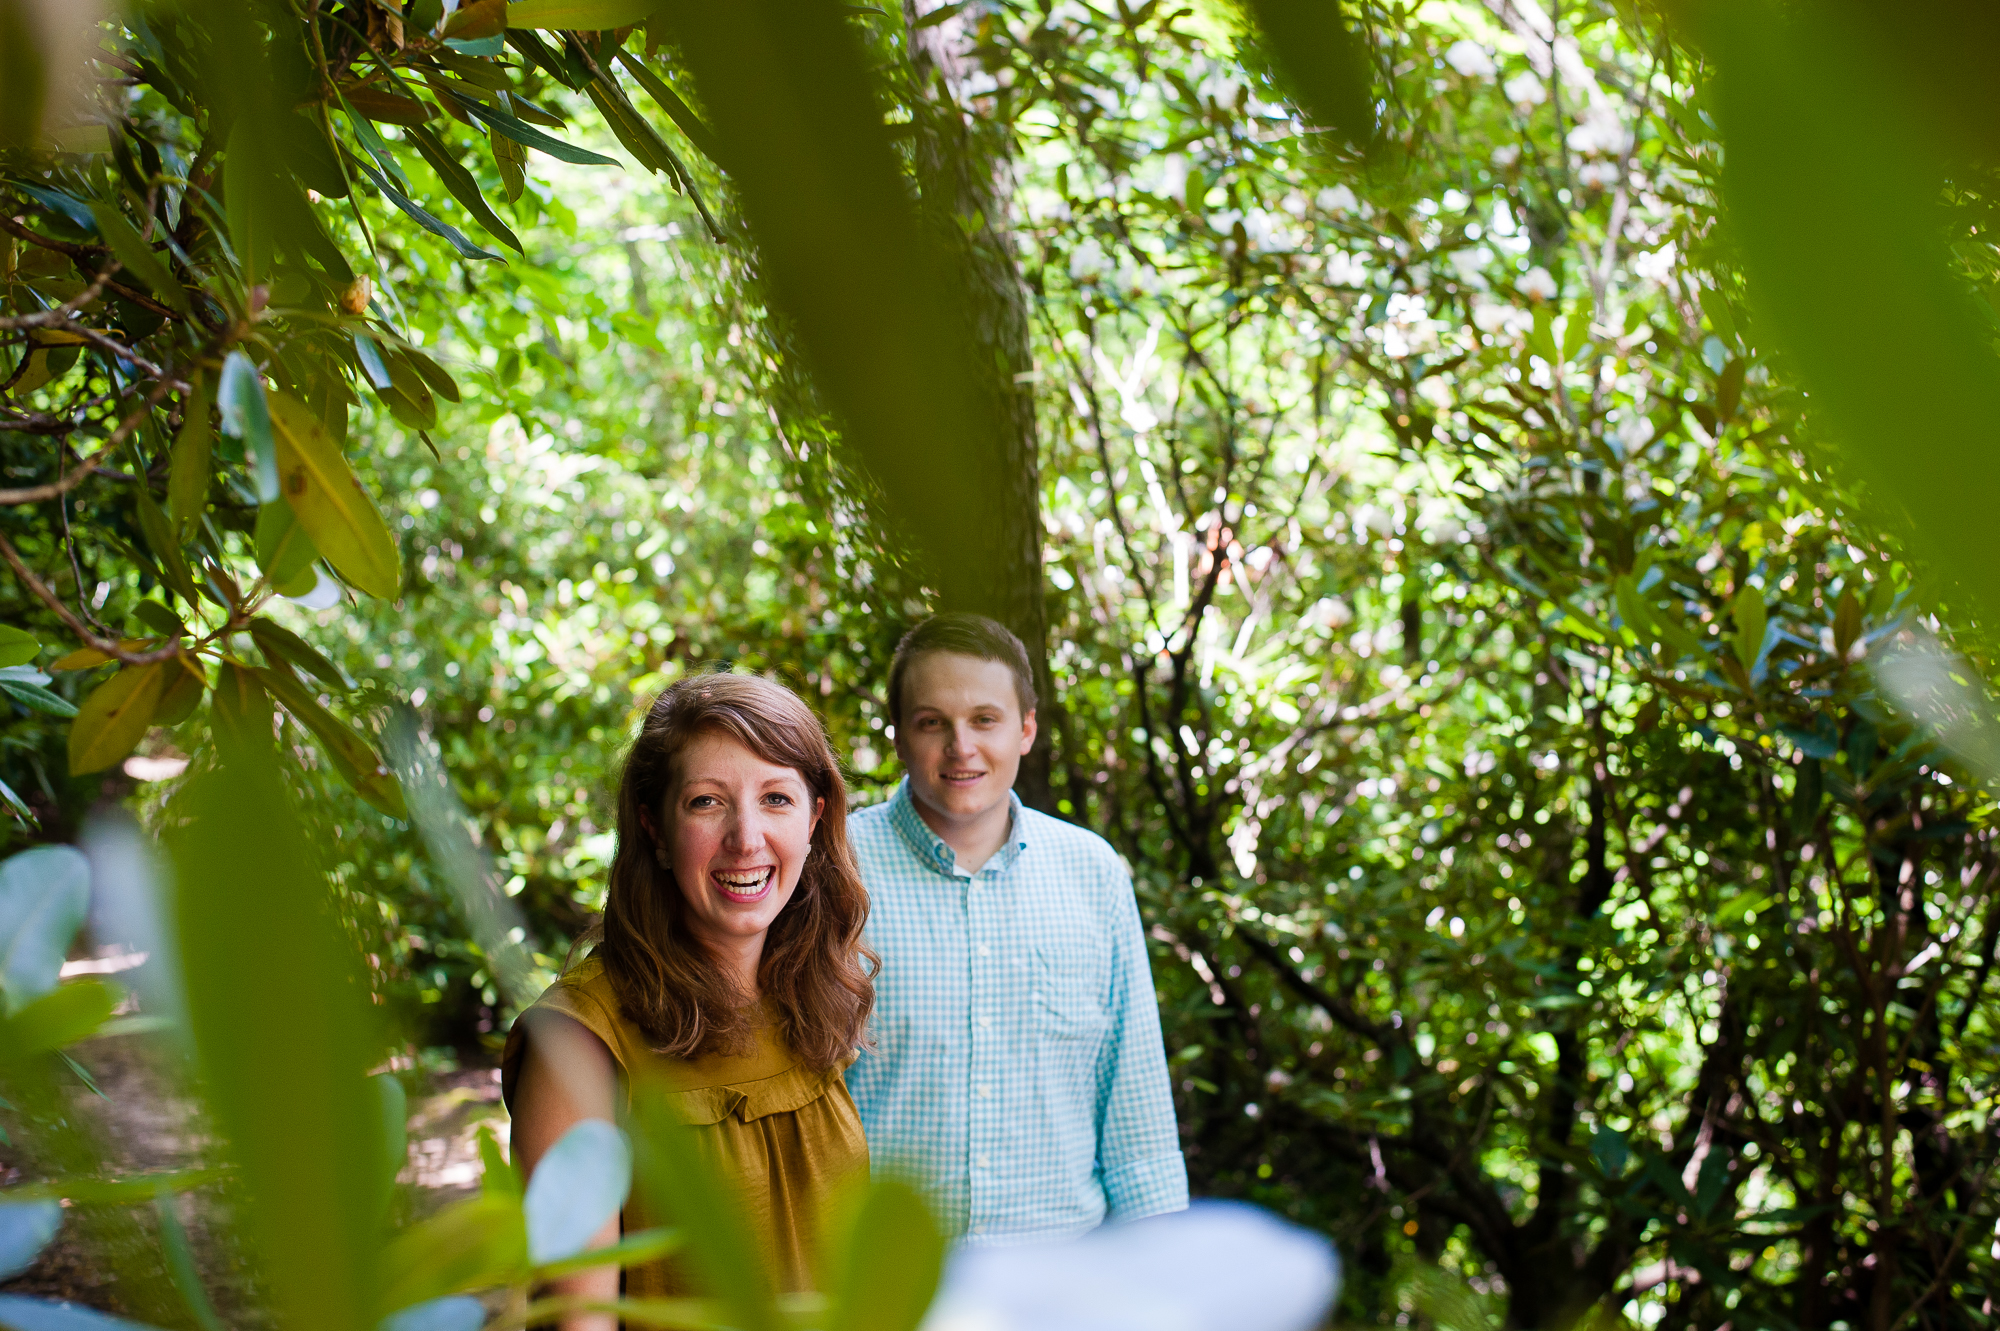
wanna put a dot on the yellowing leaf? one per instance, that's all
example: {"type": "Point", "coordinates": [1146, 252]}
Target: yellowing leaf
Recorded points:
{"type": "Point", "coordinates": [113, 717]}
{"type": "Point", "coordinates": [579, 15]}
{"type": "Point", "coordinates": [83, 658]}
{"type": "Point", "coordinates": [336, 512]}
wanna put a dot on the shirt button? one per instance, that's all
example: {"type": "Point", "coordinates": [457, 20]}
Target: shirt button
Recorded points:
{"type": "Point", "coordinates": [980, 1162]}
{"type": "Point", "coordinates": [983, 949]}
{"type": "Point", "coordinates": [980, 1091]}
{"type": "Point", "coordinates": [986, 1021]}
{"type": "Point", "coordinates": [979, 1229]}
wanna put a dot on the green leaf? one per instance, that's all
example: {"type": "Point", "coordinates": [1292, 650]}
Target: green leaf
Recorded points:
{"type": "Point", "coordinates": [888, 1273]}
{"type": "Point", "coordinates": [461, 184]}
{"type": "Point", "coordinates": [579, 15]}
{"type": "Point", "coordinates": [1542, 337]}
{"type": "Point", "coordinates": [283, 644]}
{"type": "Point", "coordinates": [648, 1245]}
{"type": "Point", "coordinates": [1719, 318]}
{"type": "Point", "coordinates": [1322, 61]}
{"type": "Point", "coordinates": [556, 67]}
{"type": "Point", "coordinates": [395, 1107]}
{"type": "Point", "coordinates": [246, 415]}
{"type": "Point", "coordinates": [1831, 168]}
{"type": "Point", "coordinates": [284, 551]}
{"type": "Point", "coordinates": [409, 398]}
{"type": "Point", "coordinates": [433, 374]}
{"type": "Point", "coordinates": [336, 512]}
{"type": "Point", "coordinates": [17, 646]}
{"type": "Point", "coordinates": [352, 756]}
{"type": "Point", "coordinates": [121, 1191]}
{"type": "Point", "coordinates": [698, 133]}
{"type": "Point", "coordinates": [1576, 328]}
{"type": "Point", "coordinates": [160, 619]}
{"type": "Point", "coordinates": [372, 142]}
{"type": "Point", "coordinates": [61, 1017]}
{"type": "Point", "coordinates": [74, 209]}
{"type": "Point", "coordinates": [877, 306]}
{"type": "Point", "coordinates": [160, 534]}
{"type": "Point", "coordinates": [527, 135]}
{"type": "Point", "coordinates": [475, 1244]}
{"type": "Point", "coordinates": [278, 1011]}
{"type": "Point", "coordinates": [24, 685]}
{"type": "Point", "coordinates": [246, 192]}
{"type": "Point", "coordinates": [1748, 610]}
{"type": "Point", "coordinates": [424, 218]}
{"type": "Point", "coordinates": [241, 714]}
{"type": "Point", "coordinates": [510, 160]}
{"type": "Point", "coordinates": [185, 684]}
{"type": "Point", "coordinates": [499, 1175]}
{"type": "Point", "coordinates": [114, 717]}
{"type": "Point", "coordinates": [138, 257]}
{"type": "Point", "coordinates": [44, 897]}
{"type": "Point", "coordinates": [193, 463]}
{"type": "Point", "coordinates": [180, 1263]}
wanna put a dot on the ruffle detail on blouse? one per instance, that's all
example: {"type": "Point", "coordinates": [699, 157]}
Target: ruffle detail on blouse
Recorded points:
{"type": "Point", "coordinates": [790, 1090]}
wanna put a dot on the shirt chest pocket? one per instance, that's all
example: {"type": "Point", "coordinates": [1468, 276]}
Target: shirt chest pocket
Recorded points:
{"type": "Point", "coordinates": [1068, 996]}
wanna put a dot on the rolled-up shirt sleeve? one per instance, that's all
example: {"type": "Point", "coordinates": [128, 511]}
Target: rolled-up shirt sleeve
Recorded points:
{"type": "Point", "coordinates": [1138, 1142]}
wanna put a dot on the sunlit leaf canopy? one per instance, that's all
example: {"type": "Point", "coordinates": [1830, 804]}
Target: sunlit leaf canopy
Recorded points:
{"type": "Point", "coordinates": [1460, 620]}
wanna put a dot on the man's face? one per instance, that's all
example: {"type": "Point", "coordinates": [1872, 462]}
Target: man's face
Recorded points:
{"type": "Point", "coordinates": [961, 734]}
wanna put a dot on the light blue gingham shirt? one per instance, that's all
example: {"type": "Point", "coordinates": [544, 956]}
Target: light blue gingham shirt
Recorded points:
{"type": "Point", "coordinates": [1017, 1074]}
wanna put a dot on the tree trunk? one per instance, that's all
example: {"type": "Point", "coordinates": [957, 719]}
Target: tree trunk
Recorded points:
{"type": "Point", "coordinates": [963, 169]}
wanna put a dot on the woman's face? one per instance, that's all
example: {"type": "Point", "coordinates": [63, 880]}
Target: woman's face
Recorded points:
{"type": "Point", "coordinates": [738, 830]}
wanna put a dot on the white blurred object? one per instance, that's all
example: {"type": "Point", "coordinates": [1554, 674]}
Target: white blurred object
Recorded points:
{"type": "Point", "coordinates": [131, 908]}
{"type": "Point", "coordinates": [1942, 692]}
{"type": "Point", "coordinates": [1470, 59]}
{"type": "Point", "coordinates": [325, 594]}
{"type": "Point", "coordinates": [1218, 1266]}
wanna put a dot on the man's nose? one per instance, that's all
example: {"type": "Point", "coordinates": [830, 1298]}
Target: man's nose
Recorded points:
{"type": "Point", "coordinates": [961, 739]}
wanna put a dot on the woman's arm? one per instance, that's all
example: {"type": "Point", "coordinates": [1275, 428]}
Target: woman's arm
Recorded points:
{"type": "Point", "coordinates": [567, 1075]}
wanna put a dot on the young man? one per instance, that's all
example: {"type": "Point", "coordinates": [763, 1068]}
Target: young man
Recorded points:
{"type": "Point", "coordinates": [1017, 1074]}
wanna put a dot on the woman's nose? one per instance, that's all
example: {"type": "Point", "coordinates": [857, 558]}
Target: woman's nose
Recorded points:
{"type": "Point", "coordinates": [744, 833]}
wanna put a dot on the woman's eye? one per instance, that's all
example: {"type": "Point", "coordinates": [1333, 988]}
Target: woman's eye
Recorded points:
{"type": "Point", "coordinates": [778, 799]}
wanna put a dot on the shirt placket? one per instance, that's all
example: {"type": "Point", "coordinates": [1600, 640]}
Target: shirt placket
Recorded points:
{"type": "Point", "coordinates": [989, 957]}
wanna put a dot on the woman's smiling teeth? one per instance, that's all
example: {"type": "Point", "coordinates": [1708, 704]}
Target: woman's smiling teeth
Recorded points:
{"type": "Point", "coordinates": [744, 884]}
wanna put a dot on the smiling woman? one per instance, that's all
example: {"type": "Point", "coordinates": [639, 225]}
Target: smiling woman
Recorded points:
{"type": "Point", "coordinates": [729, 976]}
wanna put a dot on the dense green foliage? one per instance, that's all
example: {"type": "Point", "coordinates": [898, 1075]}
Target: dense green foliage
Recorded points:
{"type": "Point", "coordinates": [1454, 623]}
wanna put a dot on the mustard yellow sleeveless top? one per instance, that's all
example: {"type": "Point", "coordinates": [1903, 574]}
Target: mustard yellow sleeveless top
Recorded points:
{"type": "Point", "coordinates": [787, 1136]}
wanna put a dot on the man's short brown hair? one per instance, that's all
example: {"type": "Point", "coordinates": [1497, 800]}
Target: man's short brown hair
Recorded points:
{"type": "Point", "coordinates": [964, 635]}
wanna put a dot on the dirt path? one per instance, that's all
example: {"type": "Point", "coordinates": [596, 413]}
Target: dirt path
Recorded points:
{"type": "Point", "coordinates": [110, 1258]}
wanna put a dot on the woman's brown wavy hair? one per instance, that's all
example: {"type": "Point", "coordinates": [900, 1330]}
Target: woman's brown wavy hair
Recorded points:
{"type": "Point", "coordinates": [814, 968]}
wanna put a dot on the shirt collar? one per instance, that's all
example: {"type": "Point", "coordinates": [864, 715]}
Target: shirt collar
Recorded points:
{"type": "Point", "coordinates": [931, 848]}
